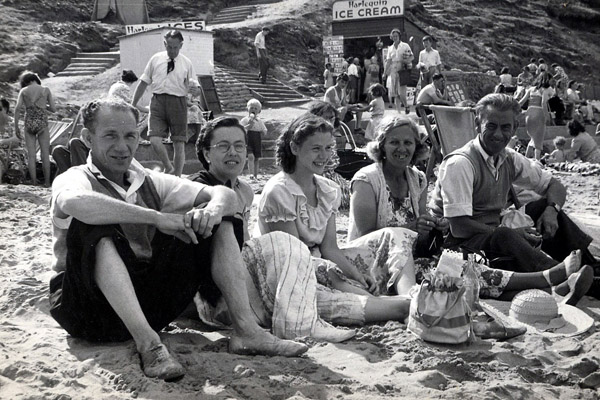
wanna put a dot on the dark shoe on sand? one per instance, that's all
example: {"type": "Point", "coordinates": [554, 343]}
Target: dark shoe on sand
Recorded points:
{"type": "Point", "coordinates": [579, 284]}
{"type": "Point", "coordinates": [159, 363]}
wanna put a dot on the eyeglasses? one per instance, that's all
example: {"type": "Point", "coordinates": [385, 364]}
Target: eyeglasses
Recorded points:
{"type": "Point", "coordinates": [224, 147]}
{"type": "Point", "coordinates": [170, 65]}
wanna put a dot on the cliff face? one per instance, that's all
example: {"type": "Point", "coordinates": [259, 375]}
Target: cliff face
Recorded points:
{"type": "Point", "coordinates": [472, 35]}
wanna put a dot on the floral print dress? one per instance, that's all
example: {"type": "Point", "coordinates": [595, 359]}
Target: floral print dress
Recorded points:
{"type": "Point", "coordinates": [382, 254]}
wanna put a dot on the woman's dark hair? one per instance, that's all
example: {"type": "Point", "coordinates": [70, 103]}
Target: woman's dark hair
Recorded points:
{"type": "Point", "coordinates": [571, 83]}
{"type": "Point", "coordinates": [542, 80]}
{"type": "Point", "coordinates": [128, 76]}
{"type": "Point", "coordinates": [375, 148]}
{"type": "Point", "coordinates": [504, 70]}
{"type": "Point", "coordinates": [297, 132]}
{"type": "Point", "coordinates": [5, 104]}
{"type": "Point", "coordinates": [342, 77]}
{"type": "Point", "coordinates": [208, 132]}
{"type": "Point", "coordinates": [27, 77]}
{"type": "Point", "coordinates": [575, 127]}
{"type": "Point", "coordinates": [320, 108]}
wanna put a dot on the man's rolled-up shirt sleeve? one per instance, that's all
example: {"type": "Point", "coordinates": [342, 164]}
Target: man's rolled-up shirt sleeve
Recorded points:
{"type": "Point", "coordinates": [529, 174]}
{"type": "Point", "coordinates": [456, 179]}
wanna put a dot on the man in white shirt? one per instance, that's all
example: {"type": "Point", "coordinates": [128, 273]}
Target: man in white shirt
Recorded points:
{"type": "Point", "coordinates": [262, 54]}
{"type": "Point", "coordinates": [133, 246]}
{"type": "Point", "coordinates": [474, 186]}
{"type": "Point", "coordinates": [171, 76]}
{"type": "Point", "coordinates": [429, 61]}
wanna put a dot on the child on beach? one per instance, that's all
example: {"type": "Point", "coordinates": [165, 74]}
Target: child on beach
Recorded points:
{"type": "Point", "coordinates": [376, 107]}
{"type": "Point", "coordinates": [328, 76]}
{"type": "Point", "coordinates": [195, 119]}
{"type": "Point", "coordinates": [558, 155]}
{"type": "Point", "coordinates": [256, 129]}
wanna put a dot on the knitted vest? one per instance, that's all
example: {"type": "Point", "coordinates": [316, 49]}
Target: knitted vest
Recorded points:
{"type": "Point", "coordinates": [490, 195]}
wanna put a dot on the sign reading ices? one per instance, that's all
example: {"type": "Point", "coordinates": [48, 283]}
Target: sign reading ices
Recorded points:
{"type": "Point", "coordinates": [193, 25]}
{"type": "Point", "coordinates": [360, 9]}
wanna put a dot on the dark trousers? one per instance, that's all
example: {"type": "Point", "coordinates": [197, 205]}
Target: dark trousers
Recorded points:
{"type": "Point", "coordinates": [263, 64]}
{"type": "Point", "coordinates": [505, 242]}
{"type": "Point", "coordinates": [164, 285]}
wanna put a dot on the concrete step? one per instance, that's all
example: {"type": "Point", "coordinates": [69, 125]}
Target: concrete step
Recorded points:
{"type": "Point", "coordinates": [237, 8]}
{"type": "Point", "coordinates": [228, 20]}
{"type": "Point", "coordinates": [93, 59]}
{"type": "Point", "coordinates": [116, 55]}
{"type": "Point", "coordinates": [78, 73]}
{"type": "Point", "coordinates": [89, 65]}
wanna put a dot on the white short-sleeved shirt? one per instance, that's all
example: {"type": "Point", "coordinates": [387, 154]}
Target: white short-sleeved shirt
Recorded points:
{"type": "Point", "coordinates": [283, 200]}
{"type": "Point", "coordinates": [430, 58]}
{"type": "Point", "coordinates": [352, 70]}
{"type": "Point", "coordinates": [177, 82]}
{"type": "Point", "coordinates": [259, 40]}
{"type": "Point", "coordinates": [457, 174]}
{"type": "Point", "coordinates": [177, 196]}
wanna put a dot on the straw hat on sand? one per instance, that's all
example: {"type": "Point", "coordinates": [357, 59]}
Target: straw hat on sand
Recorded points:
{"type": "Point", "coordinates": [540, 314]}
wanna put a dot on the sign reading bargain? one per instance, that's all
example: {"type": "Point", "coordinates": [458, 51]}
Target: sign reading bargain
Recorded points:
{"type": "Point", "coordinates": [194, 25]}
{"type": "Point", "coordinates": [360, 9]}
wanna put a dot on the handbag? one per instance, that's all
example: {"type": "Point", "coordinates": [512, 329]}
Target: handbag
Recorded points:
{"type": "Point", "coordinates": [404, 76]}
{"type": "Point", "coordinates": [439, 313]}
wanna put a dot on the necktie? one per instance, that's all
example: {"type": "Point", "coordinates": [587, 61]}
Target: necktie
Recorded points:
{"type": "Point", "coordinates": [170, 65]}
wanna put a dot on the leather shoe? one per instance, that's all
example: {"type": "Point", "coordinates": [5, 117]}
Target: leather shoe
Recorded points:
{"type": "Point", "coordinates": [159, 363]}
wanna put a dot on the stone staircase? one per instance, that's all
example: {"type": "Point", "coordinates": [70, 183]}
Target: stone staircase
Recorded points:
{"type": "Point", "coordinates": [233, 14]}
{"type": "Point", "coordinates": [432, 8]}
{"type": "Point", "coordinates": [91, 63]}
{"type": "Point", "coordinates": [272, 94]}
{"type": "Point", "coordinates": [233, 94]}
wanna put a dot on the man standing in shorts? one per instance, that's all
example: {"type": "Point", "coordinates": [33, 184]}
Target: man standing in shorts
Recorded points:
{"type": "Point", "coordinates": [171, 76]}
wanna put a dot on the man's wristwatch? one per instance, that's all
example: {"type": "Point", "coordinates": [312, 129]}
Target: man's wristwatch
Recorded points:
{"type": "Point", "coordinates": [555, 206]}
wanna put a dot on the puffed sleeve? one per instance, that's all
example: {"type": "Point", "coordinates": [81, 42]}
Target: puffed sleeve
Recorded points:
{"type": "Point", "coordinates": [277, 204]}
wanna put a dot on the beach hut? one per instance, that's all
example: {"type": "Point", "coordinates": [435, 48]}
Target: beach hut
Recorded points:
{"type": "Point", "coordinates": [137, 48]}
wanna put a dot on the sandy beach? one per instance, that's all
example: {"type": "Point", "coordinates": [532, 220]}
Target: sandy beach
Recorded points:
{"type": "Point", "coordinates": [38, 360]}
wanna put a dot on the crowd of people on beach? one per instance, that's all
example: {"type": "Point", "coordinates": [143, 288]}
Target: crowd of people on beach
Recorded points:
{"type": "Point", "coordinates": [135, 248]}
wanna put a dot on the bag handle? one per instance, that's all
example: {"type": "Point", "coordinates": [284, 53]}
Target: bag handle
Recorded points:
{"type": "Point", "coordinates": [461, 291]}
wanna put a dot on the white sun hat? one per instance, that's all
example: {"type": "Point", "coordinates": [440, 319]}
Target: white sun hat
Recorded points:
{"type": "Point", "coordinates": [538, 311]}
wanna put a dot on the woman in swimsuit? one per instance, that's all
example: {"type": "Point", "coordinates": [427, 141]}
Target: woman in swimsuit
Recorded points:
{"type": "Point", "coordinates": [538, 96]}
{"type": "Point", "coordinates": [37, 100]}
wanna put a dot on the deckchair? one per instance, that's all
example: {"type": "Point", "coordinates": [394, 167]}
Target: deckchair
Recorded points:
{"type": "Point", "coordinates": [57, 129]}
{"type": "Point", "coordinates": [455, 127]}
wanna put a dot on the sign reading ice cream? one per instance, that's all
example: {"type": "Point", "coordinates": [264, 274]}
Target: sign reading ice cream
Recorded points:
{"type": "Point", "coordinates": [360, 9]}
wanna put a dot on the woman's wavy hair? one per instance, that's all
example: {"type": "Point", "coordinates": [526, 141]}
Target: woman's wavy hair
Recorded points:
{"type": "Point", "coordinates": [27, 77]}
{"type": "Point", "coordinates": [297, 132]}
{"type": "Point", "coordinates": [375, 149]}
{"type": "Point", "coordinates": [208, 132]}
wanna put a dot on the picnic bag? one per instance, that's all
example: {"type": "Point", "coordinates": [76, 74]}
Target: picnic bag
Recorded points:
{"type": "Point", "coordinates": [439, 312]}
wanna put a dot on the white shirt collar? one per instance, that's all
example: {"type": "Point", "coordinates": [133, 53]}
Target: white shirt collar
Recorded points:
{"type": "Point", "coordinates": [135, 175]}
